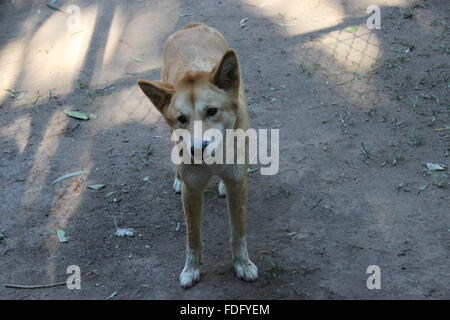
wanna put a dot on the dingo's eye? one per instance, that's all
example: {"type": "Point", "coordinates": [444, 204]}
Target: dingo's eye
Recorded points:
{"type": "Point", "coordinates": [211, 112]}
{"type": "Point", "coordinates": [182, 119]}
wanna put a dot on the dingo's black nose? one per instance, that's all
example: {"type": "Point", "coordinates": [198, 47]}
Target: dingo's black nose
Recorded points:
{"type": "Point", "coordinates": [204, 145]}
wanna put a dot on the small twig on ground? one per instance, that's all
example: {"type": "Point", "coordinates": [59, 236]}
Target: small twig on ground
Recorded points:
{"type": "Point", "coordinates": [315, 205]}
{"type": "Point", "coordinates": [342, 83]}
{"type": "Point", "coordinates": [76, 33]}
{"type": "Point", "coordinates": [16, 286]}
{"type": "Point", "coordinates": [37, 98]}
{"type": "Point", "coordinates": [7, 249]}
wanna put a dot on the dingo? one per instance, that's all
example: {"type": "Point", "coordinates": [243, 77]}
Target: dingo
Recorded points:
{"type": "Point", "coordinates": [201, 82]}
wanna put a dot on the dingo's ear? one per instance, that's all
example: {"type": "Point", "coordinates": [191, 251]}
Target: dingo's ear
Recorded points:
{"type": "Point", "coordinates": [159, 93]}
{"type": "Point", "coordinates": [227, 75]}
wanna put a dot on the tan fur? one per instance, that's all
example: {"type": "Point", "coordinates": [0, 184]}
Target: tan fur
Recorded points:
{"type": "Point", "coordinates": [200, 71]}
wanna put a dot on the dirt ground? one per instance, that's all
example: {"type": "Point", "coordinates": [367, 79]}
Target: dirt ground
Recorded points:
{"type": "Point", "coordinates": [360, 113]}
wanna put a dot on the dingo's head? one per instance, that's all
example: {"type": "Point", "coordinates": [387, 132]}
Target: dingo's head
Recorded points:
{"type": "Point", "coordinates": [207, 98]}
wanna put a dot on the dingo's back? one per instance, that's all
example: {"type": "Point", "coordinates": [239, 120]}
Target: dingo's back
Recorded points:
{"type": "Point", "coordinates": [195, 47]}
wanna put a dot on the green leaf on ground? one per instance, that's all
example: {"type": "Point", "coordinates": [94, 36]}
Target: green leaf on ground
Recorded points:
{"type": "Point", "coordinates": [11, 92]}
{"type": "Point", "coordinates": [243, 23]}
{"type": "Point", "coordinates": [61, 235]}
{"type": "Point", "coordinates": [96, 186]}
{"type": "Point", "coordinates": [16, 94]}
{"type": "Point", "coordinates": [435, 166]}
{"type": "Point", "coordinates": [110, 194]}
{"type": "Point", "coordinates": [20, 95]}
{"type": "Point", "coordinates": [77, 115]}
{"type": "Point", "coordinates": [422, 188]}
{"type": "Point", "coordinates": [69, 175]}
{"type": "Point", "coordinates": [112, 295]}
{"type": "Point", "coordinates": [51, 4]}
{"type": "Point", "coordinates": [250, 170]}
{"type": "Point", "coordinates": [352, 29]}
{"type": "Point", "coordinates": [82, 85]}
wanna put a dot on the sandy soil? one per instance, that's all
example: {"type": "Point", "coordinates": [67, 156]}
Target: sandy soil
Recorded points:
{"type": "Point", "coordinates": [359, 111]}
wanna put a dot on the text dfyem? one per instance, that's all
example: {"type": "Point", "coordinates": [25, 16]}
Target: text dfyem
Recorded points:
{"type": "Point", "coordinates": [246, 309]}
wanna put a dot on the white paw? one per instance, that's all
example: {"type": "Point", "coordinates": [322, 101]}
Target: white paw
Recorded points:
{"type": "Point", "coordinates": [177, 185]}
{"type": "Point", "coordinates": [189, 276]}
{"type": "Point", "coordinates": [221, 188]}
{"type": "Point", "coordinates": [246, 270]}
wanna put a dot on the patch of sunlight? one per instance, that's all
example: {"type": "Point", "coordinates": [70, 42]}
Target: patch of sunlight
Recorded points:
{"type": "Point", "coordinates": [128, 105]}
{"type": "Point", "coordinates": [11, 62]}
{"type": "Point", "coordinates": [44, 155]}
{"type": "Point", "coordinates": [306, 16]}
{"type": "Point", "coordinates": [357, 50]}
{"type": "Point", "coordinates": [19, 130]}
{"type": "Point", "coordinates": [135, 43]}
{"type": "Point", "coordinates": [343, 60]}
{"type": "Point", "coordinates": [114, 36]}
{"type": "Point", "coordinates": [298, 17]}
{"type": "Point", "coordinates": [12, 53]}
{"type": "Point", "coordinates": [56, 53]}
{"type": "Point", "coordinates": [65, 202]}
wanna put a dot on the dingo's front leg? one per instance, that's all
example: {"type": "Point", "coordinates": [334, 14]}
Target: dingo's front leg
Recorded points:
{"type": "Point", "coordinates": [192, 205]}
{"type": "Point", "coordinates": [237, 205]}
{"type": "Point", "coordinates": [177, 183]}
